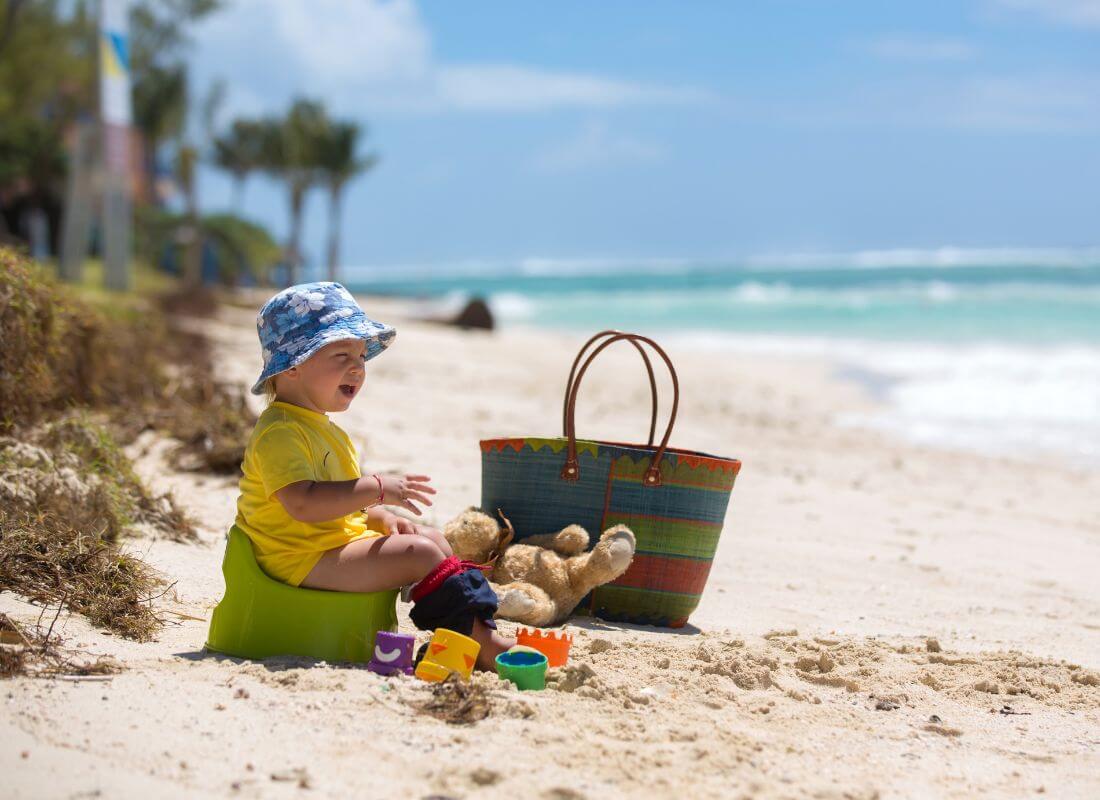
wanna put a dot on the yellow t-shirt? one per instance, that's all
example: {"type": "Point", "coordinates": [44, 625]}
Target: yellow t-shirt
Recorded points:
{"type": "Point", "coordinates": [291, 444]}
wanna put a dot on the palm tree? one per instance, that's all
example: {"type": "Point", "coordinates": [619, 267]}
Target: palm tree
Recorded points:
{"type": "Point", "coordinates": [160, 109]}
{"type": "Point", "coordinates": [158, 68]}
{"type": "Point", "coordinates": [187, 157]}
{"type": "Point", "coordinates": [239, 152]}
{"type": "Point", "coordinates": [289, 148]}
{"type": "Point", "coordinates": [338, 164]}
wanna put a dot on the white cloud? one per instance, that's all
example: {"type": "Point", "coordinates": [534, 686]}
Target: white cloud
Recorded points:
{"type": "Point", "coordinates": [1078, 13]}
{"type": "Point", "coordinates": [903, 47]}
{"type": "Point", "coordinates": [378, 54]}
{"type": "Point", "coordinates": [362, 40]}
{"type": "Point", "coordinates": [1019, 103]}
{"type": "Point", "coordinates": [512, 88]}
{"type": "Point", "coordinates": [595, 146]}
{"type": "Point", "coordinates": [1031, 103]}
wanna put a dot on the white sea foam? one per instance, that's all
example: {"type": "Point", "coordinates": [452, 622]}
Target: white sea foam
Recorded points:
{"type": "Point", "coordinates": [762, 293]}
{"type": "Point", "coordinates": [887, 258]}
{"type": "Point", "coordinates": [940, 257]}
{"type": "Point", "coordinates": [558, 267]}
{"type": "Point", "coordinates": [940, 292]}
{"type": "Point", "coordinates": [999, 399]}
{"type": "Point", "coordinates": [512, 306]}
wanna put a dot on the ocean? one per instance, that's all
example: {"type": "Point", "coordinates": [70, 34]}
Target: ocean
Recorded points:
{"type": "Point", "coordinates": [991, 350]}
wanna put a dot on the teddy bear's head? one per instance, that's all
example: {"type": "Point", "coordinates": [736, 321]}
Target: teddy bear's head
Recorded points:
{"type": "Point", "coordinates": [473, 535]}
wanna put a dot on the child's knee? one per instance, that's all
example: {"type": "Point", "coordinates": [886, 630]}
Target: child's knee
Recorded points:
{"type": "Point", "coordinates": [426, 552]}
{"type": "Point", "coordinates": [440, 541]}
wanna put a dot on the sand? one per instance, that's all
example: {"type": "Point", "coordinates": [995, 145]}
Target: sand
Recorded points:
{"type": "Point", "coordinates": [882, 620]}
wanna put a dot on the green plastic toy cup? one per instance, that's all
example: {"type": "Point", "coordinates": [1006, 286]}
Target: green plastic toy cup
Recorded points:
{"type": "Point", "coordinates": [524, 668]}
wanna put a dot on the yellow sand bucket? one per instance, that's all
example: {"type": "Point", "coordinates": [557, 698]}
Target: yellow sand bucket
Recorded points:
{"type": "Point", "coordinates": [448, 652]}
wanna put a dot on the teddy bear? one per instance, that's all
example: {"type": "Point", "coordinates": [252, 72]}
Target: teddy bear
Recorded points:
{"type": "Point", "coordinates": [541, 580]}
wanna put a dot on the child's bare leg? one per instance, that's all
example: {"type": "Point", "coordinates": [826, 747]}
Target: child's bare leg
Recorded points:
{"type": "Point", "coordinates": [492, 645]}
{"type": "Point", "coordinates": [389, 562]}
{"type": "Point", "coordinates": [436, 536]}
{"type": "Point", "coordinates": [373, 565]}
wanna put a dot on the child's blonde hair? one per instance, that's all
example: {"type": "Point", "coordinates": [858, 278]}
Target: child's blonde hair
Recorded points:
{"type": "Point", "coordinates": [269, 390]}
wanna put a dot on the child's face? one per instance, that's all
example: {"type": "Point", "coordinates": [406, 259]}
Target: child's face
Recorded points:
{"type": "Point", "coordinates": [330, 378]}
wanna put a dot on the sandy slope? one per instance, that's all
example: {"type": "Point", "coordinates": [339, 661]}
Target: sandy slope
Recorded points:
{"type": "Point", "coordinates": [862, 545]}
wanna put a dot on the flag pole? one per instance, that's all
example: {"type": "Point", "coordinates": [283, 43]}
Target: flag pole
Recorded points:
{"type": "Point", "coordinates": [115, 119]}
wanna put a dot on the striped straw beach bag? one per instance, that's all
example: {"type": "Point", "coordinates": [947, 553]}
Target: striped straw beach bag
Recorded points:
{"type": "Point", "coordinates": [674, 500]}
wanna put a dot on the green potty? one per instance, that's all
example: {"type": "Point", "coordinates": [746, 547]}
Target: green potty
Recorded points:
{"type": "Point", "coordinates": [261, 617]}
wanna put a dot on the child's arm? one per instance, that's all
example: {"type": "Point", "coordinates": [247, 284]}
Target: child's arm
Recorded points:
{"type": "Point", "coordinates": [320, 501]}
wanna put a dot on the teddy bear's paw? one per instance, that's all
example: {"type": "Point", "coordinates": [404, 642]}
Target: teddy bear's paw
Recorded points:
{"type": "Point", "coordinates": [620, 543]}
{"type": "Point", "coordinates": [618, 532]}
{"type": "Point", "coordinates": [514, 603]}
{"type": "Point", "coordinates": [569, 541]}
{"type": "Point", "coordinates": [523, 602]}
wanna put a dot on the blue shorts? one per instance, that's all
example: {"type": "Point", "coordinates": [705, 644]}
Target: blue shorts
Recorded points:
{"type": "Point", "coordinates": [458, 601]}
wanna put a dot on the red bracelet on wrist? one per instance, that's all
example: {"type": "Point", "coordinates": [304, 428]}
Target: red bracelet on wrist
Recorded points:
{"type": "Point", "coordinates": [381, 491]}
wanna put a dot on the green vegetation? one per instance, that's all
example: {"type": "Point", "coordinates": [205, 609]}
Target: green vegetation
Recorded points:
{"type": "Point", "coordinates": [48, 52]}
{"type": "Point", "coordinates": [119, 356]}
{"type": "Point", "coordinates": [241, 249]}
{"type": "Point", "coordinates": [81, 373]}
{"type": "Point", "coordinates": [46, 80]}
{"type": "Point", "coordinates": [67, 492]}
{"type": "Point", "coordinates": [338, 164]}
{"type": "Point", "coordinates": [47, 86]}
{"type": "Point", "coordinates": [304, 149]}
{"type": "Point", "coordinates": [59, 352]}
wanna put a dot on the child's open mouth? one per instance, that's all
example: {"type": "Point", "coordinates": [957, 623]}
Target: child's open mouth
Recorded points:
{"type": "Point", "coordinates": [347, 390]}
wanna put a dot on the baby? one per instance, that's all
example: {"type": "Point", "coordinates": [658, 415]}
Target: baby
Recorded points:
{"type": "Point", "coordinates": [313, 518]}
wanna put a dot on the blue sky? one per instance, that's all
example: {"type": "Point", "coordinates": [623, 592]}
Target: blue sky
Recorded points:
{"type": "Point", "coordinates": [703, 130]}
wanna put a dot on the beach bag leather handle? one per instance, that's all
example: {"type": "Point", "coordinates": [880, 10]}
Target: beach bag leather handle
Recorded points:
{"type": "Point", "coordinates": [573, 372]}
{"type": "Point", "coordinates": [571, 471]}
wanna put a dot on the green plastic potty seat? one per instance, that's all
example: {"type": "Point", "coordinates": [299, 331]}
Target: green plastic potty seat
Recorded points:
{"type": "Point", "coordinates": [260, 617]}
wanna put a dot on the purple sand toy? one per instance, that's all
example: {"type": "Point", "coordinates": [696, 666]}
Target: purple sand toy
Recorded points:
{"type": "Point", "coordinates": [393, 652]}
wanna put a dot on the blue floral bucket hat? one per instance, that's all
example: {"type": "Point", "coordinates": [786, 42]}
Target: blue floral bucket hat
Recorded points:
{"type": "Point", "coordinates": [299, 321]}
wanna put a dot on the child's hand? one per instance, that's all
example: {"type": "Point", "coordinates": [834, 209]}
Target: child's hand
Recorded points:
{"type": "Point", "coordinates": [402, 491]}
{"type": "Point", "coordinates": [397, 526]}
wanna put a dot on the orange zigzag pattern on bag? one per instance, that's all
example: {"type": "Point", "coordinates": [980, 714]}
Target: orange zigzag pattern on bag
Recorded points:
{"type": "Point", "coordinates": [729, 467]}
{"type": "Point", "coordinates": [555, 445]}
{"type": "Point", "coordinates": [498, 445]}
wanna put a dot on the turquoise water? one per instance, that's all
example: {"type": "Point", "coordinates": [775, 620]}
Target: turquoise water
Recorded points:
{"type": "Point", "coordinates": [1024, 304]}
{"type": "Point", "coordinates": [998, 356]}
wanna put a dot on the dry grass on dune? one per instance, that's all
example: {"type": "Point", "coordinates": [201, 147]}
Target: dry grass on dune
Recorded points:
{"type": "Point", "coordinates": [67, 494]}
{"type": "Point", "coordinates": [48, 561]}
{"type": "Point", "coordinates": [210, 418]}
{"type": "Point", "coordinates": [77, 380]}
{"type": "Point", "coordinates": [74, 469]}
{"type": "Point", "coordinates": [123, 357]}
{"type": "Point", "coordinates": [26, 651]}
{"type": "Point", "coordinates": [61, 352]}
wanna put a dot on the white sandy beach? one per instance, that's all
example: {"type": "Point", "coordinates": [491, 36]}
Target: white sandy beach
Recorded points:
{"type": "Point", "coordinates": [807, 670]}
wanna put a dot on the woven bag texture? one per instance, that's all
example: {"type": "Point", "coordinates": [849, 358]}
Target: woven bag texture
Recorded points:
{"type": "Point", "coordinates": [677, 524]}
